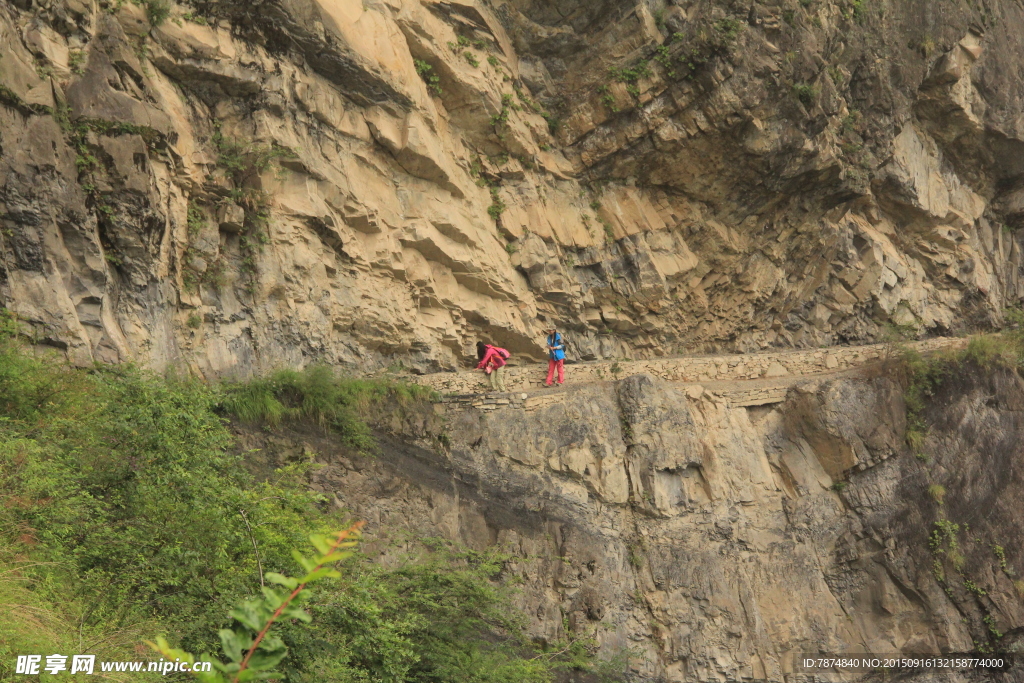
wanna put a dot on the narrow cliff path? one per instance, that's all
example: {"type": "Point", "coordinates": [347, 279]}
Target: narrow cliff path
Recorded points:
{"type": "Point", "coordinates": [739, 379]}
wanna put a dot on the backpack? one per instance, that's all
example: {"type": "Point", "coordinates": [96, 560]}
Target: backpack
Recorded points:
{"type": "Point", "coordinates": [502, 352]}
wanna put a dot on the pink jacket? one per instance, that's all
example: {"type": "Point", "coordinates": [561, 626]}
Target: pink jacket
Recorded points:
{"type": "Point", "coordinates": [492, 356]}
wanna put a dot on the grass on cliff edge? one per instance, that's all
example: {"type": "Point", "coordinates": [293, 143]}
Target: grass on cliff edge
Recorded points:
{"type": "Point", "coordinates": [316, 394]}
{"type": "Point", "coordinates": [121, 518]}
{"type": "Point", "coordinates": [923, 375]}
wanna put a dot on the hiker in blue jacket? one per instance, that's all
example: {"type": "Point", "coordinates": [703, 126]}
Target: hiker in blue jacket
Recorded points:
{"type": "Point", "coordinates": [556, 353]}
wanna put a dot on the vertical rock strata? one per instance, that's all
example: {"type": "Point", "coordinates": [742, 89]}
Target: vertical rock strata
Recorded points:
{"type": "Point", "coordinates": [238, 186]}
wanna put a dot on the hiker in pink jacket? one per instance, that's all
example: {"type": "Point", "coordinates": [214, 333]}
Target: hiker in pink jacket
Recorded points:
{"type": "Point", "coordinates": [493, 363]}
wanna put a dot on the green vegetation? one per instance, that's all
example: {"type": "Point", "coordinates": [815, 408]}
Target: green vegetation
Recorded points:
{"type": "Point", "coordinates": [432, 80]}
{"type": "Point", "coordinates": [806, 93]}
{"type": "Point", "coordinates": [663, 57]}
{"type": "Point", "coordinates": [607, 99]}
{"type": "Point", "coordinates": [630, 76]}
{"type": "Point", "coordinates": [634, 554]}
{"type": "Point", "coordinates": [937, 492]}
{"type": "Point", "coordinates": [497, 206]}
{"type": "Point", "coordinates": [471, 58]}
{"type": "Point", "coordinates": [923, 376]}
{"type": "Point", "coordinates": [255, 652]}
{"type": "Point", "coordinates": [128, 513]}
{"type": "Point", "coordinates": [319, 396]}
{"type": "Point", "coordinates": [157, 11]}
{"type": "Point", "coordinates": [195, 18]}
{"type": "Point", "coordinates": [1000, 554]}
{"type": "Point", "coordinates": [244, 161]}
{"type": "Point", "coordinates": [76, 62]}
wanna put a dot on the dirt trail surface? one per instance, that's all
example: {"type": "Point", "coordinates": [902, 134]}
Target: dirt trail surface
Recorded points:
{"type": "Point", "coordinates": [742, 379]}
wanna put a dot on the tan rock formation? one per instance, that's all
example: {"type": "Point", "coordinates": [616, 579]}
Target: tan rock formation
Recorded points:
{"type": "Point", "coordinates": [722, 542]}
{"type": "Point", "coordinates": [403, 177]}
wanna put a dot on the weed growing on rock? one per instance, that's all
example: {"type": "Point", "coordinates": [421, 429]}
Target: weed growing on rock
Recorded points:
{"type": "Point", "coordinates": [607, 99]}
{"type": "Point", "coordinates": [1000, 554]}
{"type": "Point", "coordinates": [157, 11]}
{"type": "Point", "coordinates": [432, 80]}
{"type": "Point", "coordinates": [806, 93]}
{"type": "Point", "coordinates": [937, 492]}
{"type": "Point", "coordinates": [196, 18]}
{"type": "Point", "coordinates": [245, 161]}
{"type": "Point", "coordinates": [663, 57]}
{"type": "Point", "coordinates": [471, 58]}
{"type": "Point", "coordinates": [76, 62]}
{"type": "Point", "coordinates": [497, 206]}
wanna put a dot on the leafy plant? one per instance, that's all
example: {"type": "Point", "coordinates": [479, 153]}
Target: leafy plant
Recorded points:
{"type": "Point", "coordinates": [497, 206]}
{"type": "Point", "coordinates": [76, 62]}
{"type": "Point", "coordinates": [252, 651]}
{"type": "Point", "coordinates": [806, 93]}
{"type": "Point", "coordinates": [937, 492]}
{"type": "Point", "coordinates": [607, 99]}
{"type": "Point", "coordinates": [432, 80]}
{"type": "Point", "coordinates": [471, 58]}
{"type": "Point", "coordinates": [157, 11]}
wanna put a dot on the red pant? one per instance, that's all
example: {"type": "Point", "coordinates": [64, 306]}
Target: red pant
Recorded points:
{"type": "Point", "coordinates": [552, 364]}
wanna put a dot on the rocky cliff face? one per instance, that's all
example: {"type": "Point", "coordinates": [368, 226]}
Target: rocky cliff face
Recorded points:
{"type": "Point", "coordinates": [236, 186]}
{"type": "Point", "coordinates": [721, 543]}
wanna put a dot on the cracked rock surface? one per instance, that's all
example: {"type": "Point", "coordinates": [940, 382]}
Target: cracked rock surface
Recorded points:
{"type": "Point", "coordinates": [720, 543]}
{"type": "Point", "coordinates": [242, 187]}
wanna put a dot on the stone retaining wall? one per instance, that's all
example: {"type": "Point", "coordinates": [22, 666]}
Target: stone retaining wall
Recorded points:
{"type": "Point", "coordinates": [777, 364]}
{"type": "Point", "coordinates": [734, 398]}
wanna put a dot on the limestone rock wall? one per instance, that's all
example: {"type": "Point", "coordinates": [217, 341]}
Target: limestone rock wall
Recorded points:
{"type": "Point", "coordinates": [235, 187]}
{"type": "Point", "coordinates": [719, 542]}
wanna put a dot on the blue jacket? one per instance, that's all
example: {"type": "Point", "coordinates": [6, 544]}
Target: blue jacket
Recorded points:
{"type": "Point", "coordinates": [556, 341]}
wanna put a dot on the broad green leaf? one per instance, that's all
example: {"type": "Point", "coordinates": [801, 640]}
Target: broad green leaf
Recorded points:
{"type": "Point", "coordinates": [295, 612]}
{"type": "Point", "coordinates": [323, 572]}
{"type": "Point", "coordinates": [321, 543]}
{"type": "Point", "coordinates": [281, 579]}
{"type": "Point", "coordinates": [229, 668]}
{"type": "Point", "coordinates": [251, 614]}
{"type": "Point", "coordinates": [333, 557]}
{"type": "Point", "coordinates": [274, 597]}
{"type": "Point", "coordinates": [303, 561]}
{"type": "Point", "coordinates": [234, 643]}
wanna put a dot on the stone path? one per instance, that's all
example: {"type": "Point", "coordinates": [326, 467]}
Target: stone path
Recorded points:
{"type": "Point", "coordinates": [740, 379]}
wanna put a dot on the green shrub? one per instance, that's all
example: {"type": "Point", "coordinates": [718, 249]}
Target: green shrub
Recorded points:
{"type": "Point", "coordinates": [806, 93]}
{"type": "Point", "coordinates": [157, 11]}
{"type": "Point", "coordinates": [127, 513]}
{"type": "Point", "coordinates": [995, 350]}
{"type": "Point", "coordinates": [130, 491]}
